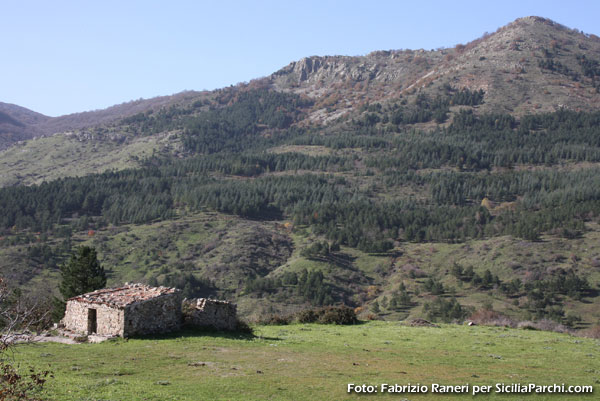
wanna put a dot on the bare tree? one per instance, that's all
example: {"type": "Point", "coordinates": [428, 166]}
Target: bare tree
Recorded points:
{"type": "Point", "coordinates": [17, 316]}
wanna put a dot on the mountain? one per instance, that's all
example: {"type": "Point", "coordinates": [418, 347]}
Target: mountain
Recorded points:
{"type": "Point", "coordinates": [530, 66]}
{"type": "Point", "coordinates": [505, 64]}
{"type": "Point", "coordinates": [19, 124]}
{"type": "Point", "coordinates": [402, 183]}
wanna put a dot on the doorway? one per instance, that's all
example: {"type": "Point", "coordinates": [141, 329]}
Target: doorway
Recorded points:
{"type": "Point", "coordinates": [92, 321]}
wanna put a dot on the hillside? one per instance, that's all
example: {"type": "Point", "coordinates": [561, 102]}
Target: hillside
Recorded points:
{"type": "Point", "coordinates": [402, 183]}
{"type": "Point", "coordinates": [20, 124]}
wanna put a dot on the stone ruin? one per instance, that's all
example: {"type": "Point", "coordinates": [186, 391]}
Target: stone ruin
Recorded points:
{"type": "Point", "coordinates": [137, 309]}
{"type": "Point", "coordinates": [202, 312]}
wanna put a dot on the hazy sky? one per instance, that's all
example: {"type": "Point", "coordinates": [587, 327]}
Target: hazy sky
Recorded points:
{"type": "Point", "coordinates": [63, 57]}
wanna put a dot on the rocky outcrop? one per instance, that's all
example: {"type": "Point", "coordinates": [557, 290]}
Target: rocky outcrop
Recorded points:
{"type": "Point", "coordinates": [504, 64]}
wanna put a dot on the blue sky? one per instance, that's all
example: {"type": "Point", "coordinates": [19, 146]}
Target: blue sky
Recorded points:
{"type": "Point", "coordinates": [62, 57]}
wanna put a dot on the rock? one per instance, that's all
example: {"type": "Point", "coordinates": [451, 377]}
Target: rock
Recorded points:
{"type": "Point", "coordinates": [421, 323]}
{"type": "Point", "coordinates": [194, 364]}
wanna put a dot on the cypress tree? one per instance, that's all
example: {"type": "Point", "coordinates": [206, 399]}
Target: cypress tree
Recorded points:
{"type": "Point", "coordinates": [83, 273]}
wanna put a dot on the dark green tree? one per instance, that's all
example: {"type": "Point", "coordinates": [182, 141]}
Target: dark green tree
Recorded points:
{"type": "Point", "coordinates": [375, 307]}
{"type": "Point", "coordinates": [82, 273]}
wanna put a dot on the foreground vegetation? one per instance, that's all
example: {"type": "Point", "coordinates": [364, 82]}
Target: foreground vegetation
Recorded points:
{"type": "Point", "coordinates": [311, 361]}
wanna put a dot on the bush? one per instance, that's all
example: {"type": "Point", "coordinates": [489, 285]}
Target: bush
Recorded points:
{"type": "Point", "coordinates": [307, 316]}
{"type": "Point", "coordinates": [544, 325]}
{"type": "Point", "coordinates": [18, 315]}
{"type": "Point", "coordinates": [328, 315]}
{"type": "Point", "coordinates": [276, 320]}
{"type": "Point", "coordinates": [592, 332]}
{"type": "Point", "coordinates": [325, 315]}
{"type": "Point", "coordinates": [338, 315]}
{"type": "Point", "coordinates": [24, 387]}
{"type": "Point", "coordinates": [489, 317]}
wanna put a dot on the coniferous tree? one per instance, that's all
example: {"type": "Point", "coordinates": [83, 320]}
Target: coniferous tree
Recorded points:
{"type": "Point", "coordinates": [82, 273]}
{"type": "Point", "coordinates": [375, 307]}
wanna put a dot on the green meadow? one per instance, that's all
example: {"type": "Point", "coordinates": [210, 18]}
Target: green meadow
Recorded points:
{"type": "Point", "coordinates": [313, 362]}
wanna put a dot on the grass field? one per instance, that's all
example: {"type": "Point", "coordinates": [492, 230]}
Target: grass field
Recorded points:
{"type": "Point", "coordinates": [49, 158]}
{"type": "Point", "coordinates": [316, 362]}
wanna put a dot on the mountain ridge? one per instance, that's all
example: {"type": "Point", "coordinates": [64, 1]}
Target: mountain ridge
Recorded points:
{"type": "Point", "coordinates": [505, 64]}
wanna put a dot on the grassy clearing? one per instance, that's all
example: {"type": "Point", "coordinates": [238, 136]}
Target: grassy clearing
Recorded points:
{"type": "Point", "coordinates": [48, 158]}
{"type": "Point", "coordinates": [308, 362]}
{"type": "Point", "coordinates": [138, 252]}
{"type": "Point", "coordinates": [310, 150]}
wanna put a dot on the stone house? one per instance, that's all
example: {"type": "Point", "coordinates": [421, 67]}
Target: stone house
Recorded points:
{"type": "Point", "coordinates": [212, 313]}
{"type": "Point", "coordinates": [133, 309]}
{"type": "Point", "coordinates": [138, 309]}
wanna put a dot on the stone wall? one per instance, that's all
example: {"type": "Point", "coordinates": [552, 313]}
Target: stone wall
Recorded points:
{"type": "Point", "coordinates": [160, 314]}
{"type": "Point", "coordinates": [202, 312]}
{"type": "Point", "coordinates": [157, 315]}
{"type": "Point", "coordinates": [109, 321]}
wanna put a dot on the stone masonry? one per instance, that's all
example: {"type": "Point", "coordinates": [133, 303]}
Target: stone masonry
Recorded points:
{"type": "Point", "coordinates": [202, 312]}
{"type": "Point", "coordinates": [109, 320]}
{"type": "Point", "coordinates": [133, 309]}
{"type": "Point", "coordinates": [137, 309]}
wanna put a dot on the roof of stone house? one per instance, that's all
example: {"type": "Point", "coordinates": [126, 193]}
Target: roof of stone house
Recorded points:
{"type": "Point", "coordinates": [122, 296]}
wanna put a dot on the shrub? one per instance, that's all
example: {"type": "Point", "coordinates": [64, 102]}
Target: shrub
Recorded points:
{"type": "Point", "coordinates": [337, 315]}
{"type": "Point", "coordinates": [592, 332]}
{"type": "Point", "coordinates": [277, 320]}
{"type": "Point", "coordinates": [325, 315]}
{"type": "Point", "coordinates": [18, 315]}
{"type": "Point", "coordinates": [23, 387]}
{"type": "Point", "coordinates": [328, 315]}
{"type": "Point", "coordinates": [307, 316]}
{"type": "Point", "coordinates": [489, 317]}
{"type": "Point", "coordinates": [544, 325]}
